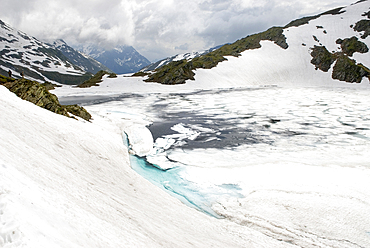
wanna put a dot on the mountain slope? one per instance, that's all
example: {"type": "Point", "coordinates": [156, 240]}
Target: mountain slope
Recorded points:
{"type": "Point", "coordinates": [81, 60]}
{"type": "Point", "coordinates": [122, 59]}
{"type": "Point", "coordinates": [166, 61]}
{"type": "Point", "coordinates": [37, 60]}
{"type": "Point", "coordinates": [297, 53]}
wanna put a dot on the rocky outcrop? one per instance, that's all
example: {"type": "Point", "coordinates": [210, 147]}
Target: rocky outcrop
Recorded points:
{"type": "Point", "coordinates": [322, 58]}
{"type": "Point", "coordinates": [346, 69]}
{"type": "Point", "coordinates": [36, 93]}
{"type": "Point", "coordinates": [363, 26]}
{"type": "Point", "coordinates": [352, 45]}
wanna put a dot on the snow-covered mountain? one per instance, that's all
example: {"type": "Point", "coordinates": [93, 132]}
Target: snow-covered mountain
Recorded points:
{"type": "Point", "coordinates": [122, 59]}
{"type": "Point", "coordinates": [187, 56]}
{"type": "Point", "coordinates": [83, 61]}
{"type": "Point", "coordinates": [38, 61]}
{"type": "Point", "coordinates": [329, 48]}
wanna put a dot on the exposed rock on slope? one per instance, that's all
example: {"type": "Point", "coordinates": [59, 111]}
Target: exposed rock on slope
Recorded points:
{"type": "Point", "coordinates": [352, 45]}
{"type": "Point", "coordinates": [38, 94]}
{"type": "Point", "coordinates": [81, 60]}
{"type": "Point", "coordinates": [322, 58]}
{"type": "Point", "coordinates": [346, 69]}
{"type": "Point", "coordinates": [97, 78]}
{"type": "Point", "coordinates": [38, 61]}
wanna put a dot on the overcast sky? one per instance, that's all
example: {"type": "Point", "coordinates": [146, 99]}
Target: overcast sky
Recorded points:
{"type": "Point", "coordinates": [156, 28]}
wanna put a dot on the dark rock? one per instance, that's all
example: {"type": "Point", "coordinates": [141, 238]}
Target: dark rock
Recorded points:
{"type": "Point", "coordinates": [322, 58]}
{"type": "Point", "coordinates": [346, 69]}
{"type": "Point", "coordinates": [36, 93]}
{"type": "Point", "coordinates": [363, 26]}
{"type": "Point", "coordinates": [352, 45]}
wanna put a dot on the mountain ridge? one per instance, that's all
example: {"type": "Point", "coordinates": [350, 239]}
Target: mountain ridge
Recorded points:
{"type": "Point", "coordinates": [179, 72]}
{"type": "Point", "coordinates": [36, 60]}
{"type": "Point", "coordinates": [121, 59]}
{"type": "Point", "coordinates": [84, 61]}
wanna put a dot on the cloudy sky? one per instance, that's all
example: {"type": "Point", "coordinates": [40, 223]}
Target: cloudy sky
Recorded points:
{"type": "Point", "coordinates": [156, 28]}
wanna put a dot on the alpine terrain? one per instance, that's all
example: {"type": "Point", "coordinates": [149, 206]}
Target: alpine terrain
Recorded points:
{"type": "Point", "coordinates": [121, 59]}
{"type": "Point", "coordinates": [260, 143]}
{"type": "Point", "coordinates": [187, 56]}
{"type": "Point", "coordinates": [331, 47]}
{"type": "Point", "coordinates": [21, 53]}
{"type": "Point", "coordinates": [83, 61]}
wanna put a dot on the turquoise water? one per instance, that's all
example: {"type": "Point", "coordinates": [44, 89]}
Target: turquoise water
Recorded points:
{"type": "Point", "coordinates": [174, 182]}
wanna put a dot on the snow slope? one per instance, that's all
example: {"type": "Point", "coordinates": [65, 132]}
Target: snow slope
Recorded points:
{"type": "Point", "coordinates": [39, 61]}
{"type": "Point", "coordinates": [67, 183]}
{"type": "Point", "coordinates": [292, 67]}
{"type": "Point", "coordinates": [83, 61]}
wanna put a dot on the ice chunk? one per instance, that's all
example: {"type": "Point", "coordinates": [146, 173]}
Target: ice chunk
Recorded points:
{"type": "Point", "coordinates": [140, 138]}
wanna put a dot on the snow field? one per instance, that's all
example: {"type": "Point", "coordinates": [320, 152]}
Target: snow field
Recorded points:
{"type": "Point", "coordinates": [69, 184]}
{"type": "Point", "coordinates": [305, 181]}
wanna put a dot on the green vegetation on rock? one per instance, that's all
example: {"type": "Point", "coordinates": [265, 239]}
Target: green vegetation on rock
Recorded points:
{"type": "Point", "coordinates": [78, 111]}
{"type": "Point", "coordinates": [177, 72]}
{"type": "Point", "coordinates": [322, 58]}
{"type": "Point", "coordinates": [305, 20]}
{"type": "Point", "coordinates": [36, 93]}
{"type": "Point", "coordinates": [140, 74]}
{"type": "Point", "coordinates": [363, 26]}
{"type": "Point", "coordinates": [346, 69]}
{"type": "Point", "coordinates": [352, 45]}
{"type": "Point", "coordinates": [97, 78]}
{"type": "Point", "coordinates": [50, 86]}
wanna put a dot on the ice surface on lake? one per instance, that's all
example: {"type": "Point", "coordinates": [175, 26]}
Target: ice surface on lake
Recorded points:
{"type": "Point", "coordinates": [294, 161]}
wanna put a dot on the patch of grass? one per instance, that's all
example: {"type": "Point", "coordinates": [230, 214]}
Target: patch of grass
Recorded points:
{"type": "Point", "coordinates": [305, 20]}
{"type": "Point", "coordinates": [96, 79]}
{"type": "Point", "coordinates": [38, 94]}
{"type": "Point", "coordinates": [50, 86]}
{"type": "Point", "coordinates": [78, 111]}
{"type": "Point", "coordinates": [140, 74]}
{"type": "Point", "coordinates": [177, 72]}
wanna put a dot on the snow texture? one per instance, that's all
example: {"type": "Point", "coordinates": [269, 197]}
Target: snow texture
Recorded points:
{"type": "Point", "coordinates": [67, 183]}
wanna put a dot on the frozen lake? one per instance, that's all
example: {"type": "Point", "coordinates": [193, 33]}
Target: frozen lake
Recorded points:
{"type": "Point", "coordinates": [292, 163]}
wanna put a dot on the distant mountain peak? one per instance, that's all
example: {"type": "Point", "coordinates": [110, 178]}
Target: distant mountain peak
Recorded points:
{"type": "Point", "coordinates": [121, 59]}
{"type": "Point", "coordinates": [84, 61]}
